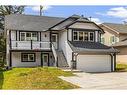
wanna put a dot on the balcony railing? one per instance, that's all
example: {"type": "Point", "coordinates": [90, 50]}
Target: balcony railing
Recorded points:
{"type": "Point", "coordinates": [30, 45]}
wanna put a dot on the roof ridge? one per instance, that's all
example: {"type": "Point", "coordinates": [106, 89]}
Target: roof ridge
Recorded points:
{"type": "Point", "coordinates": [35, 16]}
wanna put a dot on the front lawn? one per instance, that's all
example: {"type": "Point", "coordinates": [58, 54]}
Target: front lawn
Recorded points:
{"type": "Point", "coordinates": [121, 67]}
{"type": "Point", "coordinates": [34, 78]}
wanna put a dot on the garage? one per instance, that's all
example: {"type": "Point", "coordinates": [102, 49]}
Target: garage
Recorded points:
{"type": "Point", "coordinates": [94, 63]}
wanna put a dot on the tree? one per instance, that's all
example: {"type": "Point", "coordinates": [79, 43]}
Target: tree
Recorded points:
{"type": "Point", "coordinates": [6, 10]}
{"type": "Point", "coordinates": [2, 50]}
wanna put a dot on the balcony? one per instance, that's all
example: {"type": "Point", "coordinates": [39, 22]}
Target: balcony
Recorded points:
{"type": "Point", "coordinates": [30, 45]}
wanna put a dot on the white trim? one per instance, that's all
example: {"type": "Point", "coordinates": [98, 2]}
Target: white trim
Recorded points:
{"type": "Point", "coordinates": [28, 57]}
{"type": "Point", "coordinates": [26, 37]}
{"type": "Point", "coordinates": [83, 36]}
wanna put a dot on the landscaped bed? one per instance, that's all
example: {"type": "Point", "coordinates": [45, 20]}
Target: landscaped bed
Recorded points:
{"type": "Point", "coordinates": [121, 67]}
{"type": "Point", "coordinates": [34, 78]}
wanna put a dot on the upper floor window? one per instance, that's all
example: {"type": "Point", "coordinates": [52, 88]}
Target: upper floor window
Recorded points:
{"type": "Point", "coordinates": [91, 34]}
{"type": "Point", "coordinates": [103, 40]}
{"type": "Point", "coordinates": [27, 36]}
{"type": "Point", "coordinates": [75, 36]}
{"type": "Point", "coordinates": [112, 39]}
{"type": "Point", "coordinates": [83, 36]}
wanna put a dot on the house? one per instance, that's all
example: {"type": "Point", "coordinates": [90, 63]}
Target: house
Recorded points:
{"type": "Point", "coordinates": [72, 42]}
{"type": "Point", "coordinates": [116, 35]}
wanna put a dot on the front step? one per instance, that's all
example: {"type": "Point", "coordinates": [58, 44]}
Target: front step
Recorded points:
{"type": "Point", "coordinates": [62, 63]}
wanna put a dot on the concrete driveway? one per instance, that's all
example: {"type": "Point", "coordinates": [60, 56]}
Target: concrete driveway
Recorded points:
{"type": "Point", "coordinates": [114, 80]}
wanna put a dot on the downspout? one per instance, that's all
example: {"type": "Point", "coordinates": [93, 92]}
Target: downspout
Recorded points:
{"type": "Point", "coordinates": [111, 62]}
{"type": "Point", "coordinates": [10, 59]}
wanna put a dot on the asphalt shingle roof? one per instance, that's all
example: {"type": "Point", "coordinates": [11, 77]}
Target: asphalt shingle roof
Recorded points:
{"type": "Point", "coordinates": [63, 24]}
{"type": "Point", "coordinates": [30, 22]}
{"type": "Point", "coordinates": [121, 28]}
{"type": "Point", "coordinates": [79, 46]}
{"type": "Point", "coordinates": [40, 23]}
{"type": "Point", "coordinates": [122, 43]}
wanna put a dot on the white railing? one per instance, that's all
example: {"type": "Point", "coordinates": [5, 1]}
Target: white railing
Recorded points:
{"type": "Point", "coordinates": [28, 45]}
{"type": "Point", "coordinates": [55, 54]}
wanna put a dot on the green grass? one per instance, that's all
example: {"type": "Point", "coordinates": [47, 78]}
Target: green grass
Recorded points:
{"type": "Point", "coordinates": [34, 78]}
{"type": "Point", "coordinates": [121, 67]}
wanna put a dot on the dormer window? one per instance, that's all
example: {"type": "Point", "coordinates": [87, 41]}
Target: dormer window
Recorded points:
{"type": "Point", "coordinates": [91, 38]}
{"type": "Point", "coordinates": [75, 36]}
{"type": "Point", "coordinates": [83, 36]}
{"type": "Point", "coordinates": [86, 36]}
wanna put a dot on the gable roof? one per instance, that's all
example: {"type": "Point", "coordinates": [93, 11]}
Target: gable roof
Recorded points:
{"type": "Point", "coordinates": [120, 28]}
{"type": "Point", "coordinates": [69, 21]}
{"type": "Point", "coordinates": [41, 23]}
{"type": "Point", "coordinates": [91, 47]}
{"type": "Point", "coordinates": [119, 44]}
{"type": "Point", "coordinates": [30, 22]}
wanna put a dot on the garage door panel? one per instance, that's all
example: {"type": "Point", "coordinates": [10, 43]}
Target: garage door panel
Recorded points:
{"type": "Point", "coordinates": [94, 63]}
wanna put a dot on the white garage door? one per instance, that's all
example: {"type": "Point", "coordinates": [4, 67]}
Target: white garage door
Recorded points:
{"type": "Point", "coordinates": [94, 63]}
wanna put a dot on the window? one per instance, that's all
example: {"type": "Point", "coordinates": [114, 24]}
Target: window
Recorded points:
{"type": "Point", "coordinates": [91, 34]}
{"type": "Point", "coordinates": [112, 39]}
{"type": "Point", "coordinates": [75, 36]}
{"type": "Point", "coordinates": [34, 36]}
{"type": "Point", "coordinates": [28, 57]}
{"type": "Point", "coordinates": [54, 37]}
{"type": "Point", "coordinates": [83, 36]}
{"type": "Point", "coordinates": [27, 36]}
{"type": "Point", "coordinates": [22, 37]}
{"type": "Point", "coordinates": [103, 40]}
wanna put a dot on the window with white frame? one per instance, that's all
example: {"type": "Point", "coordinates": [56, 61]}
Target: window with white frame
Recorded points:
{"type": "Point", "coordinates": [28, 57]}
{"type": "Point", "coordinates": [75, 36]}
{"type": "Point", "coordinates": [83, 36]}
{"type": "Point", "coordinates": [86, 36]}
{"type": "Point", "coordinates": [27, 36]}
{"type": "Point", "coordinates": [91, 36]}
{"type": "Point", "coordinates": [103, 40]}
{"type": "Point", "coordinates": [112, 39]}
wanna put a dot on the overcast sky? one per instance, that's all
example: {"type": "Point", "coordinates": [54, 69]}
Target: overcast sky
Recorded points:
{"type": "Point", "coordinates": [99, 14]}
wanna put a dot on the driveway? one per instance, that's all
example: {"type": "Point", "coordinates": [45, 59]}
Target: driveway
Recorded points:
{"type": "Point", "coordinates": [114, 80]}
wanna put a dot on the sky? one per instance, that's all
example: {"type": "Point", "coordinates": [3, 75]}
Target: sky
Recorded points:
{"type": "Point", "coordinates": [99, 14]}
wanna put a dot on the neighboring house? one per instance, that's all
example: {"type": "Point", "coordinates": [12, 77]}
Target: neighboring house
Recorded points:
{"type": "Point", "coordinates": [116, 35]}
{"type": "Point", "coordinates": [72, 42]}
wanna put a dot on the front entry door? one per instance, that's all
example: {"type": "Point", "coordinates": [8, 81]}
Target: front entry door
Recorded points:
{"type": "Point", "coordinates": [45, 59]}
{"type": "Point", "coordinates": [55, 40]}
